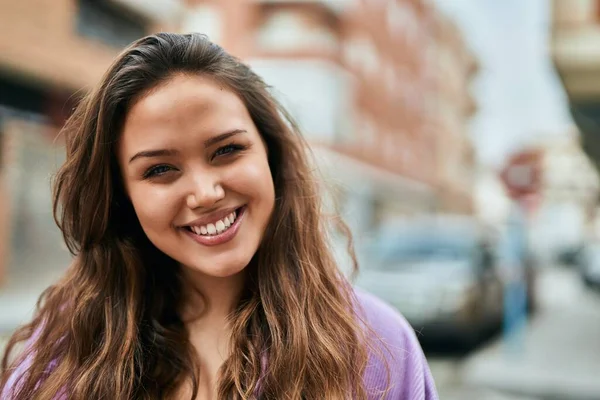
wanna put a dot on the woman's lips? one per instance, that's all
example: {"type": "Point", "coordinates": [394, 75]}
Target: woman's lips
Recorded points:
{"type": "Point", "coordinates": [223, 237]}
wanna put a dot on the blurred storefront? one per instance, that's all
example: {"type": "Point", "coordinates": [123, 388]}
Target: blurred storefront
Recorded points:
{"type": "Point", "coordinates": [576, 56]}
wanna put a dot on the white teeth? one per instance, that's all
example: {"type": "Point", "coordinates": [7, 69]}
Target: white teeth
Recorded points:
{"type": "Point", "coordinates": [211, 229]}
{"type": "Point", "coordinates": [217, 227]}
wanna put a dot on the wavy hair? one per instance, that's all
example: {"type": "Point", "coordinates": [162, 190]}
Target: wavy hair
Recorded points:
{"type": "Point", "coordinates": [109, 329]}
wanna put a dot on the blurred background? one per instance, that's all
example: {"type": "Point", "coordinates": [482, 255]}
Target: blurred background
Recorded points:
{"type": "Point", "coordinates": [458, 138]}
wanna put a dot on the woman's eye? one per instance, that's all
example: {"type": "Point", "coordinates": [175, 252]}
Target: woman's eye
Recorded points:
{"type": "Point", "coordinates": [157, 171]}
{"type": "Point", "coordinates": [228, 149]}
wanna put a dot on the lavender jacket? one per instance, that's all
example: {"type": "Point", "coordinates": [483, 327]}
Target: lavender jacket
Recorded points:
{"type": "Point", "coordinates": [410, 377]}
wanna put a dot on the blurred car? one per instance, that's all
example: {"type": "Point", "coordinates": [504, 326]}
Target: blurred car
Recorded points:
{"type": "Point", "coordinates": [571, 256]}
{"type": "Point", "coordinates": [440, 273]}
{"type": "Point", "coordinates": [590, 265]}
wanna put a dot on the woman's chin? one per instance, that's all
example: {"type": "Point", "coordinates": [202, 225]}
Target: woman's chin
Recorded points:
{"type": "Point", "coordinates": [224, 270]}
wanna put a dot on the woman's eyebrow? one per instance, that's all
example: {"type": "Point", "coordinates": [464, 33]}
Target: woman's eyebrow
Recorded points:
{"type": "Point", "coordinates": [220, 137]}
{"type": "Point", "coordinates": [154, 153]}
{"type": "Point", "coordinates": [172, 152]}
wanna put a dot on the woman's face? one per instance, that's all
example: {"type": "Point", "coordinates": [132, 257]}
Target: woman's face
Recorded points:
{"type": "Point", "coordinates": [195, 169]}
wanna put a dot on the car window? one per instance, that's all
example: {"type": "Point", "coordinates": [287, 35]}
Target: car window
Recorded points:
{"type": "Point", "coordinates": [417, 247]}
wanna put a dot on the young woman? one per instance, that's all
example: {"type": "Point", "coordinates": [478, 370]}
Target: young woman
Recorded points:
{"type": "Point", "coordinates": [201, 264]}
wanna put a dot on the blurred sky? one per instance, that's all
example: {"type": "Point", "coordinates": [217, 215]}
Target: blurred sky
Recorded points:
{"type": "Point", "coordinates": [518, 92]}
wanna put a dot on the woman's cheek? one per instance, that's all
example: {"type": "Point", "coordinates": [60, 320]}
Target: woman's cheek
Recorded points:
{"type": "Point", "coordinates": [252, 178]}
{"type": "Point", "coordinates": [153, 204]}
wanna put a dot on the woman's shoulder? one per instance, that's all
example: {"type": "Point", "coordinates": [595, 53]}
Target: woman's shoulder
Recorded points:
{"type": "Point", "coordinates": [395, 348]}
{"type": "Point", "coordinates": [381, 316]}
{"type": "Point", "coordinates": [20, 366]}
{"type": "Point", "coordinates": [387, 323]}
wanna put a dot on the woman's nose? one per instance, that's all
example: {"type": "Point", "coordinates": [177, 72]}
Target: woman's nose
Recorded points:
{"type": "Point", "coordinates": [205, 192]}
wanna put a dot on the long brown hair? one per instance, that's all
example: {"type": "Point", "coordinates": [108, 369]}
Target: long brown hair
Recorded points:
{"type": "Point", "coordinates": [109, 329]}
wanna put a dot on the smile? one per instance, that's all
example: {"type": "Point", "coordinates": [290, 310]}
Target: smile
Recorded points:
{"type": "Point", "coordinates": [217, 228]}
{"type": "Point", "coordinates": [217, 232]}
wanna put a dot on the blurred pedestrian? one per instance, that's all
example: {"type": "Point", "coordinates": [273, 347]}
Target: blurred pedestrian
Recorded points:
{"type": "Point", "coordinates": [201, 264]}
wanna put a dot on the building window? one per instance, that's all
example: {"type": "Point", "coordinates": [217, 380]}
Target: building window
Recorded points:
{"type": "Point", "coordinates": [390, 77]}
{"type": "Point", "coordinates": [204, 19]}
{"type": "Point", "coordinates": [368, 132]}
{"type": "Point", "coordinates": [361, 52]}
{"type": "Point", "coordinates": [106, 21]}
{"type": "Point", "coordinates": [289, 30]}
{"type": "Point", "coordinates": [402, 21]}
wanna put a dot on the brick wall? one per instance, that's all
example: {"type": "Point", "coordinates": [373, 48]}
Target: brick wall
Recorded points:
{"type": "Point", "coordinates": [4, 227]}
{"type": "Point", "coordinates": [38, 40]}
{"type": "Point", "coordinates": [5, 206]}
{"type": "Point", "coordinates": [391, 96]}
{"type": "Point", "coordinates": [40, 46]}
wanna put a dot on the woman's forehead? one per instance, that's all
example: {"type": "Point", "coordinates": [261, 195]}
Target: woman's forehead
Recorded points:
{"type": "Point", "coordinates": [181, 106]}
{"type": "Point", "coordinates": [185, 95]}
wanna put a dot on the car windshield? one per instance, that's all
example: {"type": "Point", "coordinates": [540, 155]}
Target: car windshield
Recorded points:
{"type": "Point", "coordinates": [419, 247]}
{"type": "Point", "coordinates": [594, 254]}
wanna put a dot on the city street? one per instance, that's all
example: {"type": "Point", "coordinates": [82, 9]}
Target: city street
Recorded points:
{"type": "Point", "coordinates": [557, 357]}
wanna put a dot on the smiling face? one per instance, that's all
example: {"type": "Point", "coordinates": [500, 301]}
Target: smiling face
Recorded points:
{"type": "Point", "coordinates": [195, 169]}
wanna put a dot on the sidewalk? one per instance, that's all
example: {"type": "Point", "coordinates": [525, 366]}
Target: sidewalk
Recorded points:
{"type": "Point", "coordinates": [448, 379]}
{"type": "Point", "coordinates": [558, 356]}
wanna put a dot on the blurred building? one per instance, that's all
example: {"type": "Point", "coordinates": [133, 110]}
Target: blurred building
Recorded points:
{"type": "Point", "coordinates": [491, 200]}
{"type": "Point", "coordinates": [378, 88]}
{"type": "Point", "coordinates": [453, 105]}
{"type": "Point", "coordinates": [565, 218]}
{"type": "Point", "coordinates": [389, 121]}
{"type": "Point", "coordinates": [50, 51]}
{"type": "Point", "coordinates": [576, 55]}
{"type": "Point", "coordinates": [569, 175]}
{"type": "Point", "coordinates": [4, 208]}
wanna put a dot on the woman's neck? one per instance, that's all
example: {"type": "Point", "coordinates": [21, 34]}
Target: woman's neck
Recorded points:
{"type": "Point", "coordinates": [208, 303]}
{"type": "Point", "coordinates": [209, 298]}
